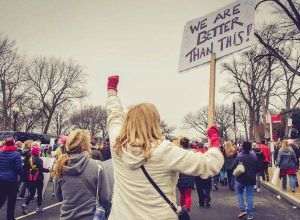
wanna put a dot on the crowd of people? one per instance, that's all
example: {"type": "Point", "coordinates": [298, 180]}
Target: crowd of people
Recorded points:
{"type": "Point", "coordinates": [135, 173]}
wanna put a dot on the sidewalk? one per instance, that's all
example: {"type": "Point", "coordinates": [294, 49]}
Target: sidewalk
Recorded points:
{"type": "Point", "coordinates": [291, 197]}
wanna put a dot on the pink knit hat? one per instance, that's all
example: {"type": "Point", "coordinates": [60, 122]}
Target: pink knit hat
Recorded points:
{"type": "Point", "coordinates": [35, 150]}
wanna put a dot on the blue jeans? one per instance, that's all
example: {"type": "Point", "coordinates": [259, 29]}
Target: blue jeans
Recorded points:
{"type": "Point", "coordinates": [292, 182]}
{"type": "Point", "coordinates": [242, 191]}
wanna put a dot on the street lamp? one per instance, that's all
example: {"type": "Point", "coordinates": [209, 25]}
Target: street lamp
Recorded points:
{"type": "Point", "coordinates": [15, 111]}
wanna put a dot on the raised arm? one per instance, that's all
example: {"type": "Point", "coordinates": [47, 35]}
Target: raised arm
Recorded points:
{"type": "Point", "coordinates": [114, 109]}
{"type": "Point", "coordinates": [191, 163]}
{"type": "Point", "coordinates": [196, 164]}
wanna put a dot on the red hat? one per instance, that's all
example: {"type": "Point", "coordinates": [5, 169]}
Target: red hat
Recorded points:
{"type": "Point", "coordinates": [9, 141]}
{"type": "Point", "coordinates": [35, 150]}
{"type": "Point", "coordinates": [213, 136]}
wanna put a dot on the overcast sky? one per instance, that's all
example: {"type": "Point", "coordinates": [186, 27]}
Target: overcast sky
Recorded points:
{"type": "Point", "coordinates": [137, 39]}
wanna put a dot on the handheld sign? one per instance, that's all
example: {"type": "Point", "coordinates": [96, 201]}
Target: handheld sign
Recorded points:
{"type": "Point", "coordinates": [223, 32]}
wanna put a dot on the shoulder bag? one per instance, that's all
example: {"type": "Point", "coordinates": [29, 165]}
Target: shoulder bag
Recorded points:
{"type": "Point", "coordinates": [182, 214]}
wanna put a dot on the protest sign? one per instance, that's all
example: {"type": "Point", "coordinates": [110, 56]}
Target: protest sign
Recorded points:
{"type": "Point", "coordinates": [223, 32]}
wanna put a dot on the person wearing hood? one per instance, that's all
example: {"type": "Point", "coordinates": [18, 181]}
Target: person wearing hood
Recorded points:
{"type": "Point", "coordinates": [136, 139]}
{"type": "Point", "coordinates": [35, 178]}
{"type": "Point", "coordinates": [77, 177]}
{"type": "Point", "coordinates": [10, 169]}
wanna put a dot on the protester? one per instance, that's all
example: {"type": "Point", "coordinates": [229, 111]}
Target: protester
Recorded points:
{"type": "Point", "coordinates": [10, 169]}
{"type": "Point", "coordinates": [230, 155]}
{"type": "Point", "coordinates": [287, 163]}
{"type": "Point", "coordinates": [245, 182]}
{"type": "Point", "coordinates": [77, 178]}
{"type": "Point", "coordinates": [185, 182]}
{"type": "Point", "coordinates": [35, 178]}
{"type": "Point", "coordinates": [203, 185]}
{"type": "Point", "coordinates": [26, 155]}
{"type": "Point", "coordinates": [267, 159]}
{"type": "Point", "coordinates": [260, 167]}
{"type": "Point", "coordinates": [136, 140]}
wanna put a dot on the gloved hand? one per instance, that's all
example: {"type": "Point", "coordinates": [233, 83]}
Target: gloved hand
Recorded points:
{"type": "Point", "coordinates": [214, 136]}
{"type": "Point", "coordinates": [112, 82]}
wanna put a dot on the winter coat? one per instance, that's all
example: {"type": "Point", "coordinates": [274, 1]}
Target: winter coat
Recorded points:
{"type": "Point", "coordinates": [229, 162]}
{"type": "Point", "coordinates": [260, 160]}
{"type": "Point", "coordinates": [26, 165]}
{"type": "Point", "coordinates": [38, 162]}
{"type": "Point", "coordinates": [10, 164]}
{"type": "Point", "coordinates": [266, 152]}
{"type": "Point", "coordinates": [78, 186]}
{"type": "Point", "coordinates": [134, 198]}
{"type": "Point", "coordinates": [249, 161]}
{"type": "Point", "coordinates": [286, 159]}
{"type": "Point", "coordinates": [185, 181]}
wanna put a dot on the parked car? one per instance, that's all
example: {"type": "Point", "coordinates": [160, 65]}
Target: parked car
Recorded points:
{"type": "Point", "coordinates": [23, 136]}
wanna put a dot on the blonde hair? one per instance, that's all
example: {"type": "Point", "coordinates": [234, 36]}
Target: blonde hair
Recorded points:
{"type": "Point", "coordinates": [229, 148]}
{"type": "Point", "coordinates": [78, 140]}
{"type": "Point", "coordinates": [141, 128]}
{"type": "Point", "coordinates": [284, 144]}
{"type": "Point", "coordinates": [27, 144]}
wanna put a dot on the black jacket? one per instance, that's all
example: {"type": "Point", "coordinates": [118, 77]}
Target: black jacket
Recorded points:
{"type": "Point", "coordinates": [185, 181]}
{"type": "Point", "coordinates": [39, 164]}
{"type": "Point", "coordinates": [249, 161]}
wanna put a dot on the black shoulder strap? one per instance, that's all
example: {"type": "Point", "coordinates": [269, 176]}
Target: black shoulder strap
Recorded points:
{"type": "Point", "coordinates": [156, 187]}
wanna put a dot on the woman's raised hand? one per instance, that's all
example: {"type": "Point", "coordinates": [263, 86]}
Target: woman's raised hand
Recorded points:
{"type": "Point", "coordinates": [213, 136]}
{"type": "Point", "coordinates": [112, 83]}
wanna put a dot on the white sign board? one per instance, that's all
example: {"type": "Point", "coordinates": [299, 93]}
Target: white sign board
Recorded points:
{"type": "Point", "coordinates": [223, 32]}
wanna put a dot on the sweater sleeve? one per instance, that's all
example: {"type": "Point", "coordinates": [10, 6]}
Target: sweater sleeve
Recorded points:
{"type": "Point", "coordinates": [191, 163]}
{"type": "Point", "coordinates": [115, 117]}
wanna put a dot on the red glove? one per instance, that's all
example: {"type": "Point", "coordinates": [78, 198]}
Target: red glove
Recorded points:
{"type": "Point", "coordinates": [213, 136]}
{"type": "Point", "coordinates": [112, 82]}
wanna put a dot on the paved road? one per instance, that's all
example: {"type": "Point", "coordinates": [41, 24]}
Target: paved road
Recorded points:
{"type": "Point", "coordinates": [224, 207]}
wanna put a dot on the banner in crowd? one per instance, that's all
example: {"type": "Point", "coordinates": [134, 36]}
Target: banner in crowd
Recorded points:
{"type": "Point", "coordinates": [223, 32]}
{"type": "Point", "coordinates": [47, 163]}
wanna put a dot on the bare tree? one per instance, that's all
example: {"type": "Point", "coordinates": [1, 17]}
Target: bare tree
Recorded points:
{"type": "Point", "coordinates": [251, 80]}
{"type": "Point", "coordinates": [289, 85]}
{"type": "Point", "coordinates": [13, 78]}
{"type": "Point", "coordinates": [287, 29]}
{"type": "Point", "coordinates": [61, 123]}
{"type": "Point", "coordinates": [166, 129]}
{"type": "Point", "coordinates": [92, 118]}
{"type": "Point", "coordinates": [54, 82]}
{"type": "Point", "coordinates": [242, 117]}
{"type": "Point", "coordinates": [30, 114]}
{"type": "Point", "coordinates": [199, 120]}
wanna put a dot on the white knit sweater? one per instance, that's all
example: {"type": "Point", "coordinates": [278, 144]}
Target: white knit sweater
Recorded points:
{"type": "Point", "coordinates": [134, 198]}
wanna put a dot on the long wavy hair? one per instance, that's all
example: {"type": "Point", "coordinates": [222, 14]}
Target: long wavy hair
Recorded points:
{"type": "Point", "coordinates": [140, 129]}
{"type": "Point", "coordinates": [78, 141]}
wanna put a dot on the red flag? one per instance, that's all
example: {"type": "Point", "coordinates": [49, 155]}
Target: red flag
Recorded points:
{"type": "Point", "coordinates": [276, 118]}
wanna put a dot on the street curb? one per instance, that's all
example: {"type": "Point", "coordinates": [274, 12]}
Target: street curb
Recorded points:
{"type": "Point", "coordinates": [284, 195]}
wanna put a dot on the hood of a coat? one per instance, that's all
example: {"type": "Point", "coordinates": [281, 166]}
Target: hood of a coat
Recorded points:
{"type": "Point", "coordinates": [133, 157]}
{"type": "Point", "coordinates": [77, 164]}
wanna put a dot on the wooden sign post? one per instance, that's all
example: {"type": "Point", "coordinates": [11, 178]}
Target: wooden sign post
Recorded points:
{"type": "Point", "coordinates": [212, 90]}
